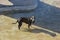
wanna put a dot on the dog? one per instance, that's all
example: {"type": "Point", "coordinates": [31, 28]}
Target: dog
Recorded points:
{"type": "Point", "coordinates": [28, 20]}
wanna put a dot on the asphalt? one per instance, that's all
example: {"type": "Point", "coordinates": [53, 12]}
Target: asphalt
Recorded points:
{"type": "Point", "coordinates": [22, 5]}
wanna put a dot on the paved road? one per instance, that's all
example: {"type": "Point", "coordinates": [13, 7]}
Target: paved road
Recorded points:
{"type": "Point", "coordinates": [23, 5]}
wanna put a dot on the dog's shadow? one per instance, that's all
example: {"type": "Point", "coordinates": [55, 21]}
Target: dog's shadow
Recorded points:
{"type": "Point", "coordinates": [35, 30]}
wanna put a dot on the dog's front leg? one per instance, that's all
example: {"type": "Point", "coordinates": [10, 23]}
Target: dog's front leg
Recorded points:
{"type": "Point", "coordinates": [29, 26]}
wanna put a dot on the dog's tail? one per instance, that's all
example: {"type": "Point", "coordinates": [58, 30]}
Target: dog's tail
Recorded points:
{"type": "Point", "coordinates": [17, 20]}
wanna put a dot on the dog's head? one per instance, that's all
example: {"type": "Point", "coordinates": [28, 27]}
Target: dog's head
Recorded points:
{"type": "Point", "coordinates": [33, 19]}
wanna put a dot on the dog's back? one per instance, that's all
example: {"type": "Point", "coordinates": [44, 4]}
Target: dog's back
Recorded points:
{"type": "Point", "coordinates": [27, 19]}
{"type": "Point", "coordinates": [23, 19]}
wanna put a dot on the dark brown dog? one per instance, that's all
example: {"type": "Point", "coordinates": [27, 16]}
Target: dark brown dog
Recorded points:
{"type": "Point", "coordinates": [28, 21]}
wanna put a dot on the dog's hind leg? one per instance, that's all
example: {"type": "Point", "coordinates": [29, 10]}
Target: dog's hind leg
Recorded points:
{"type": "Point", "coordinates": [19, 25]}
{"type": "Point", "coordinates": [29, 25]}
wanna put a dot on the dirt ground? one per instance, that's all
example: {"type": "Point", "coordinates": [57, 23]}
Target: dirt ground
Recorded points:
{"type": "Point", "coordinates": [9, 31]}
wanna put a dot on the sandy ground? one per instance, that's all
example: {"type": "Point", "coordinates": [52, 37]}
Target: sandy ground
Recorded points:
{"type": "Point", "coordinates": [5, 2]}
{"type": "Point", "coordinates": [9, 31]}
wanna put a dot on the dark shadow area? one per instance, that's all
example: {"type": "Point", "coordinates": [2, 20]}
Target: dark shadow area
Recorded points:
{"type": "Point", "coordinates": [35, 30]}
{"type": "Point", "coordinates": [47, 16]}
